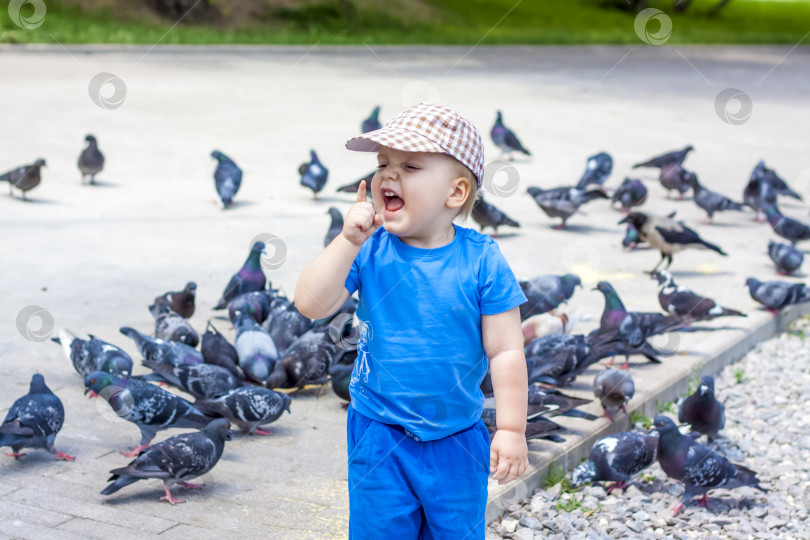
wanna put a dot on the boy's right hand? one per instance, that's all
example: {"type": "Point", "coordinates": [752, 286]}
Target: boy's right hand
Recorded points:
{"type": "Point", "coordinates": [361, 221]}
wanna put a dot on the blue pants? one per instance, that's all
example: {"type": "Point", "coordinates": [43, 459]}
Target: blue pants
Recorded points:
{"type": "Point", "coordinates": [405, 489]}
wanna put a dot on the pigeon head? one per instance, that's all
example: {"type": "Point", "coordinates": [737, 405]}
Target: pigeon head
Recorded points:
{"type": "Point", "coordinates": [257, 248]}
{"type": "Point", "coordinates": [118, 365]}
{"type": "Point", "coordinates": [636, 219]}
{"type": "Point", "coordinates": [664, 424]}
{"type": "Point", "coordinates": [219, 429]}
{"type": "Point", "coordinates": [690, 178]}
{"type": "Point", "coordinates": [571, 281]}
{"type": "Point", "coordinates": [752, 283]}
{"type": "Point", "coordinates": [314, 157]}
{"type": "Point", "coordinates": [585, 472]}
{"type": "Point", "coordinates": [334, 212]}
{"type": "Point", "coordinates": [219, 156]}
{"type": "Point", "coordinates": [40, 163]}
{"type": "Point", "coordinates": [38, 385]}
{"type": "Point", "coordinates": [97, 381]}
{"type": "Point", "coordinates": [91, 139]}
{"type": "Point", "coordinates": [498, 117]}
{"type": "Point", "coordinates": [706, 386]}
{"type": "Point", "coordinates": [663, 277]}
{"type": "Point", "coordinates": [375, 114]}
{"type": "Point", "coordinates": [191, 286]}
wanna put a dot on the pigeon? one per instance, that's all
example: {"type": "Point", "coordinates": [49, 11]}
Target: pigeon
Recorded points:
{"type": "Point", "coordinates": [757, 194]}
{"type": "Point", "coordinates": [666, 235]}
{"type": "Point", "coordinates": [256, 304]}
{"type": "Point", "coordinates": [313, 174]}
{"type": "Point", "coordinates": [505, 139]}
{"type": "Point", "coordinates": [537, 426]}
{"type": "Point", "coordinates": [562, 202]}
{"type": "Point", "coordinates": [629, 328]}
{"type": "Point", "coordinates": [249, 278]}
{"type": "Point", "coordinates": [24, 178]}
{"type": "Point", "coordinates": [171, 326]}
{"type": "Point", "coordinates": [631, 238]}
{"type": "Point", "coordinates": [559, 358]}
{"type": "Point", "coordinates": [709, 200]}
{"type": "Point", "coordinates": [775, 295]}
{"type": "Point", "coordinates": [91, 160]}
{"type": "Point", "coordinates": [632, 192]}
{"type": "Point", "coordinates": [597, 170]}
{"type": "Point", "coordinates": [181, 302]}
{"type": "Point", "coordinates": [335, 227]}
{"type": "Point", "coordinates": [786, 257]}
{"type": "Point", "coordinates": [700, 469]}
{"type": "Point", "coordinates": [217, 351]}
{"type": "Point", "coordinates": [670, 158]}
{"type": "Point", "coordinates": [306, 360]}
{"type": "Point", "coordinates": [486, 215]}
{"type": "Point", "coordinates": [227, 178]}
{"type": "Point", "coordinates": [671, 173]}
{"type": "Point", "coordinates": [341, 376]}
{"type": "Point", "coordinates": [158, 350]}
{"type": "Point", "coordinates": [88, 354]}
{"type": "Point", "coordinates": [248, 408]}
{"type": "Point", "coordinates": [285, 323]}
{"type": "Point", "coordinates": [34, 420]}
{"type": "Point", "coordinates": [175, 460]}
{"type": "Point", "coordinates": [786, 227]}
{"type": "Point", "coordinates": [544, 293]}
{"type": "Point", "coordinates": [556, 403]}
{"type": "Point", "coordinates": [682, 302]}
{"type": "Point", "coordinates": [355, 186]}
{"type": "Point", "coordinates": [614, 388]}
{"type": "Point", "coordinates": [203, 381]}
{"type": "Point", "coordinates": [255, 348]}
{"type": "Point", "coordinates": [147, 406]}
{"type": "Point", "coordinates": [702, 411]}
{"type": "Point", "coordinates": [616, 458]}
{"type": "Point", "coordinates": [769, 176]}
{"type": "Point", "coordinates": [372, 123]}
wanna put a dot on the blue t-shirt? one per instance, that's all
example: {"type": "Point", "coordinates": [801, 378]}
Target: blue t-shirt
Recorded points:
{"type": "Point", "coordinates": [420, 356]}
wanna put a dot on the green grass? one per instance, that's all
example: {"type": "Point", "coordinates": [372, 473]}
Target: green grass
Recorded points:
{"type": "Point", "coordinates": [434, 22]}
{"type": "Point", "coordinates": [739, 375]}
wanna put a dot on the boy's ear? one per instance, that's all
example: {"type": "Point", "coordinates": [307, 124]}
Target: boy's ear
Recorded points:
{"type": "Point", "coordinates": [461, 189]}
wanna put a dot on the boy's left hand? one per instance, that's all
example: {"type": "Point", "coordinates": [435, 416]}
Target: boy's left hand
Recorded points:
{"type": "Point", "coordinates": [508, 455]}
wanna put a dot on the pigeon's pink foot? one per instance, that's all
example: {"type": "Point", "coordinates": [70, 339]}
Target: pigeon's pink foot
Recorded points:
{"type": "Point", "coordinates": [610, 362]}
{"type": "Point", "coordinates": [616, 485]}
{"type": "Point", "coordinates": [626, 365]}
{"type": "Point", "coordinates": [15, 455]}
{"type": "Point", "coordinates": [168, 497]}
{"type": "Point", "coordinates": [558, 227]}
{"type": "Point", "coordinates": [189, 485]}
{"type": "Point", "coordinates": [704, 501]}
{"type": "Point", "coordinates": [623, 408]}
{"type": "Point", "coordinates": [678, 509]}
{"type": "Point", "coordinates": [135, 450]}
{"type": "Point", "coordinates": [607, 415]}
{"type": "Point", "coordinates": [62, 456]}
{"type": "Point", "coordinates": [262, 432]}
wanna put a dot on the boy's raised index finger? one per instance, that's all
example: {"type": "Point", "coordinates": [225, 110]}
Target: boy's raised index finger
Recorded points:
{"type": "Point", "coordinates": [361, 191]}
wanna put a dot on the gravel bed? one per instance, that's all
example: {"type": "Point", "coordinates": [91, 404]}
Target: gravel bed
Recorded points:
{"type": "Point", "coordinates": [766, 396]}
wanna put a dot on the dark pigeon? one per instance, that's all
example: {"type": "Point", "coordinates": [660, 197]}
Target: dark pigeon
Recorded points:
{"type": "Point", "coordinates": [667, 235]}
{"type": "Point", "coordinates": [682, 302]}
{"type": "Point", "coordinates": [255, 348]}
{"type": "Point", "coordinates": [545, 293]}
{"type": "Point", "coordinates": [702, 411]}
{"type": "Point", "coordinates": [34, 420]}
{"type": "Point", "coordinates": [335, 227]}
{"type": "Point", "coordinates": [218, 351]}
{"type": "Point", "coordinates": [307, 360]}
{"type": "Point", "coordinates": [631, 238]}
{"type": "Point", "coordinates": [786, 227]}
{"type": "Point", "coordinates": [171, 353]}
{"type": "Point", "coordinates": [341, 376]}
{"type": "Point", "coordinates": [562, 202]}
{"type": "Point", "coordinates": [91, 160]}
{"type": "Point", "coordinates": [227, 178]}
{"type": "Point", "coordinates": [762, 172]}
{"type": "Point", "coordinates": [313, 174]}
{"type": "Point", "coordinates": [709, 200]}
{"type": "Point", "coordinates": [203, 381]}
{"type": "Point", "coordinates": [372, 123]}
{"type": "Point", "coordinates": [699, 468]}
{"type": "Point", "coordinates": [559, 358]}
{"type": "Point", "coordinates": [786, 257]}
{"type": "Point", "coordinates": [758, 194]}
{"type": "Point", "coordinates": [775, 295]}
{"type": "Point", "coordinates": [249, 278]}
{"type": "Point", "coordinates": [171, 326]}
{"type": "Point", "coordinates": [147, 406]}
{"type": "Point", "coordinates": [92, 354]}
{"type": "Point", "coordinates": [175, 460]}
{"type": "Point", "coordinates": [597, 170]}
{"type": "Point", "coordinates": [632, 192]}
{"type": "Point", "coordinates": [557, 403]}
{"type": "Point", "coordinates": [486, 215]}
{"type": "Point", "coordinates": [671, 173]}
{"type": "Point", "coordinates": [670, 158]}
{"type": "Point", "coordinates": [505, 139]}
{"type": "Point", "coordinates": [24, 178]}
{"type": "Point", "coordinates": [256, 304]}
{"type": "Point", "coordinates": [355, 186]}
{"type": "Point", "coordinates": [613, 388]}
{"type": "Point", "coordinates": [249, 408]}
{"type": "Point", "coordinates": [182, 302]}
{"type": "Point", "coordinates": [617, 458]}
{"type": "Point", "coordinates": [285, 323]}
{"type": "Point", "coordinates": [537, 426]}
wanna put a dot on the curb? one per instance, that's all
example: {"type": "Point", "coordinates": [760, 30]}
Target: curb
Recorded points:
{"type": "Point", "coordinates": [713, 356]}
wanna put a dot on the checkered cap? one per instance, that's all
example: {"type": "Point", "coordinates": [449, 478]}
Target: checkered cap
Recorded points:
{"type": "Point", "coordinates": [428, 127]}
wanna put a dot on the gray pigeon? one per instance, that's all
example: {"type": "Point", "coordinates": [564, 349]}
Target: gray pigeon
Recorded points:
{"type": "Point", "coordinates": [307, 360]}
{"type": "Point", "coordinates": [147, 406]}
{"type": "Point", "coordinates": [505, 139]}
{"type": "Point", "coordinates": [175, 460]}
{"type": "Point", "coordinates": [34, 420]}
{"type": "Point", "coordinates": [182, 302]}
{"type": "Point", "coordinates": [563, 202]}
{"type": "Point", "coordinates": [682, 302]}
{"type": "Point", "coordinates": [249, 278]}
{"type": "Point", "coordinates": [786, 227]}
{"type": "Point", "coordinates": [91, 160]}
{"type": "Point", "coordinates": [90, 354]}
{"type": "Point", "coordinates": [255, 348]}
{"type": "Point", "coordinates": [171, 326]}
{"type": "Point", "coordinates": [775, 295]}
{"type": "Point", "coordinates": [616, 458]}
{"type": "Point", "coordinates": [372, 123]}
{"type": "Point", "coordinates": [758, 194]}
{"type": "Point", "coordinates": [203, 381]}
{"type": "Point", "coordinates": [632, 192]}
{"type": "Point", "coordinates": [699, 468]}
{"type": "Point", "coordinates": [709, 200]}
{"type": "Point", "coordinates": [786, 257]}
{"type": "Point", "coordinates": [702, 411]}
{"type": "Point", "coordinates": [597, 170]}
{"type": "Point", "coordinates": [670, 158]}
{"type": "Point", "coordinates": [335, 227]}
{"type": "Point", "coordinates": [256, 304]}
{"type": "Point", "coordinates": [486, 215]}
{"type": "Point", "coordinates": [545, 293]}
{"type": "Point", "coordinates": [24, 178]}
{"type": "Point", "coordinates": [227, 178]}
{"type": "Point", "coordinates": [313, 174]}
{"type": "Point", "coordinates": [249, 408]}
{"type": "Point", "coordinates": [614, 388]}
{"type": "Point", "coordinates": [163, 351]}
{"type": "Point", "coordinates": [218, 351]}
{"type": "Point", "coordinates": [762, 172]}
{"type": "Point", "coordinates": [672, 174]}
{"type": "Point", "coordinates": [355, 186]}
{"type": "Point", "coordinates": [285, 323]}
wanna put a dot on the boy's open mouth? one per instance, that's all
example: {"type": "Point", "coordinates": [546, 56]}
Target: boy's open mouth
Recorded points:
{"type": "Point", "coordinates": [393, 202]}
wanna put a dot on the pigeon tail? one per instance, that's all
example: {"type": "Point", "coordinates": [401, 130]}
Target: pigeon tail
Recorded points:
{"type": "Point", "coordinates": [118, 482]}
{"type": "Point", "coordinates": [747, 477]}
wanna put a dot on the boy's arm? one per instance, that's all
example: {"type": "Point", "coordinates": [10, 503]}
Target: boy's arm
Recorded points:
{"type": "Point", "coordinates": [321, 287]}
{"type": "Point", "coordinates": [503, 342]}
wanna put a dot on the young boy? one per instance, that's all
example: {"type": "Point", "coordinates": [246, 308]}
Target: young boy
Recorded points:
{"type": "Point", "coordinates": [436, 302]}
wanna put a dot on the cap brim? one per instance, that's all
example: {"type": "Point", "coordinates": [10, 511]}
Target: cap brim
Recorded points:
{"type": "Point", "coordinates": [396, 138]}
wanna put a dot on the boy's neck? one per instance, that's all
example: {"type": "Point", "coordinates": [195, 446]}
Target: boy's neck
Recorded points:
{"type": "Point", "coordinates": [436, 240]}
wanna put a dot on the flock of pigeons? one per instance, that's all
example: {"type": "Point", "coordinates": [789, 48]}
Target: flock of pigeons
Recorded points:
{"type": "Point", "coordinates": [235, 384]}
